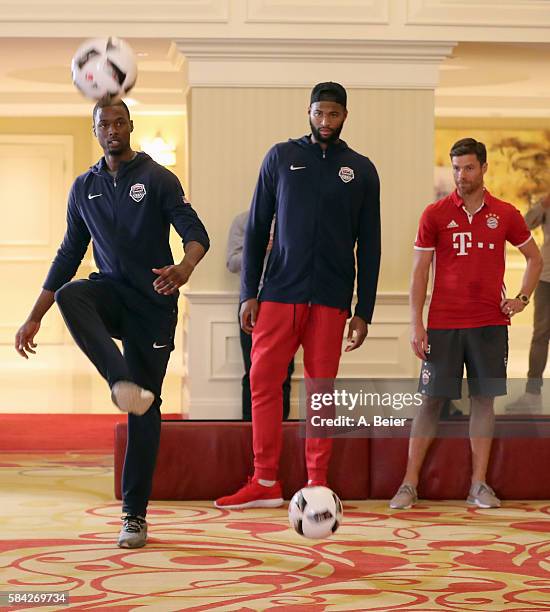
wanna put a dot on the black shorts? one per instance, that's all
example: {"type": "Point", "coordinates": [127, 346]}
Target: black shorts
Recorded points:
{"type": "Point", "coordinates": [484, 352]}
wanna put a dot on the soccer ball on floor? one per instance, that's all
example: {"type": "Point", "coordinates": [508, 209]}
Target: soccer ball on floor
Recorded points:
{"type": "Point", "coordinates": [315, 512]}
{"type": "Point", "coordinates": [104, 68]}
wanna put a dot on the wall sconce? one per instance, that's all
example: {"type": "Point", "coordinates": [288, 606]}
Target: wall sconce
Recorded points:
{"type": "Point", "coordinates": [161, 151]}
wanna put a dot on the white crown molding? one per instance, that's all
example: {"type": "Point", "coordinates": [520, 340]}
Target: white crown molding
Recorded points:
{"type": "Point", "coordinates": [275, 62]}
{"type": "Point", "coordinates": [83, 109]}
{"type": "Point", "coordinates": [225, 49]}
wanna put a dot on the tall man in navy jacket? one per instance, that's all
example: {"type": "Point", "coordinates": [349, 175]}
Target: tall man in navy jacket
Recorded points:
{"type": "Point", "coordinates": [125, 205]}
{"type": "Point", "coordinates": [326, 201]}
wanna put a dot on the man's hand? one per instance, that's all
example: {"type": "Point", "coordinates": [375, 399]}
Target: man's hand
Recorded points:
{"type": "Point", "coordinates": [171, 278]}
{"type": "Point", "coordinates": [510, 307]}
{"type": "Point", "coordinates": [357, 332]}
{"type": "Point", "coordinates": [419, 340]}
{"type": "Point", "coordinates": [248, 314]}
{"type": "Point", "coordinates": [24, 338]}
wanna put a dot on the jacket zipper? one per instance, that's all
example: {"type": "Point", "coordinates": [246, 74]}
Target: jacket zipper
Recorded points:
{"type": "Point", "coordinates": [115, 223]}
{"type": "Point", "coordinates": [316, 232]}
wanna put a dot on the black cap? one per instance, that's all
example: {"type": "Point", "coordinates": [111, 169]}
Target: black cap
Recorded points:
{"type": "Point", "coordinates": [329, 92]}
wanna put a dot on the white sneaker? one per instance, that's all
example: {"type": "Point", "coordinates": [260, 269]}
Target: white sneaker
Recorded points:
{"type": "Point", "coordinates": [129, 397]}
{"type": "Point", "coordinates": [525, 404]}
{"type": "Point", "coordinates": [133, 533]}
{"type": "Point", "coordinates": [405, 497]}
{"type": "Point", "coordinates": [482, 496]}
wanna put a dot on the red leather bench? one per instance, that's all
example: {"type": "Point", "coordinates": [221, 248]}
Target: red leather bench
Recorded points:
{"type": "Point", "coordinates": [207, 459]}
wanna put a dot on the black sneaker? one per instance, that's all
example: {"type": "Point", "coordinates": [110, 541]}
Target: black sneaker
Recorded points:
{"type": "Point", "coordinates": [133, 533]}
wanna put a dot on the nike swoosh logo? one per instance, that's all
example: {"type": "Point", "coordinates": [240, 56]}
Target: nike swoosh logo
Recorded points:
{"type": "Point", "coordinates": [96, 195]}
{"type": "Point", "coordinates": [155, 345]}
{"type": "Point", "coordinates": [293, 167]}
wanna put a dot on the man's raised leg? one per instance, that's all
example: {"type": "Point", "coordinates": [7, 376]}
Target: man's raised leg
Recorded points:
{"type": "Point", "coordinates": [93, 312]}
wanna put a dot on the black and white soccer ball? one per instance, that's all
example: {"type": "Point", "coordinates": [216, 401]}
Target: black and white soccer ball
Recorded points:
{"type": "Point", "coordinates": [104, 68]}
{"type": "Point", "coordinates": [315, 512]}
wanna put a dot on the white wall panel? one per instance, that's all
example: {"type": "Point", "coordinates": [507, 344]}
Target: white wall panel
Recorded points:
{"type": "Point", "coordinates": [318, 11]}
{"type": "Point", "coordinates": [35, 173]}
{"type": "Point", "coordinates": [134, 11]}
{"type": "Point", "coordinates": [479, 13]}
{"type": "Point", "coordinates": [215, 362]}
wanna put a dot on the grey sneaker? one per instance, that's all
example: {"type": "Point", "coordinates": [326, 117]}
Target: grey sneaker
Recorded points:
{"type": "Point", "coordinates": [405, 497]}
{"type": "Point", "coordinates": [129, 397]}
{"type": "Point", "coordinates": [133, 533]}
{"type": "Point", "coordinates": [528, 403]}
{"type": "Point", "coordinates": [482, 496]}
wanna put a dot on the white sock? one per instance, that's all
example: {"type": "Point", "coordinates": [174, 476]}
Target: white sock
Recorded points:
{"type": "Point", "coordinates": [266, 483]}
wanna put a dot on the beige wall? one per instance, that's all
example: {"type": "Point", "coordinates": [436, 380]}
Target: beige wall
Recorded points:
{"type": "Point", "coordinates": [231, 130]}
{"type": "Point", "coordinates": [77, 127]}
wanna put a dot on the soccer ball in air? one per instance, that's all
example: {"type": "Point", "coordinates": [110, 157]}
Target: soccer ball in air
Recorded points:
{"type": "Point", "coordinates": [104, 69]}
{"type": "Point", "coordinates": [315, 512]}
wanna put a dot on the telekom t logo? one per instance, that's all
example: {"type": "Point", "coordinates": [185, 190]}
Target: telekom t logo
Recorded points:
{"type": "Point", "coordinates": [464, 242]}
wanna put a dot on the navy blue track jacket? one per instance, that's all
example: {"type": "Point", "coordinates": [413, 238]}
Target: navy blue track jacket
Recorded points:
{"type": "Point", "coordinates": [128, 220]}
{"type": "Point", "coordinates": [327, 213]}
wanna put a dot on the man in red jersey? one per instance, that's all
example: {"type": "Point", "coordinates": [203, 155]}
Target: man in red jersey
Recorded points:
{"type": "Point", "coordinates": [463, 237]}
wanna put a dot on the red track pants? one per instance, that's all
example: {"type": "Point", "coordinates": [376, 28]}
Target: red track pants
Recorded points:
{"type": "Point", "coordinates": [278, 332]}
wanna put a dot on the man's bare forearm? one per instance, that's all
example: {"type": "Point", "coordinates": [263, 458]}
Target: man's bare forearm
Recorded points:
{"type": "Point", "coordinates": [417, 295]}
{"type": "Point", "coordinates": [194, 252]}
{"type": "Point", "coordinates": [531, 275]}
{"type": "Point", "coordinates": [42, 305]}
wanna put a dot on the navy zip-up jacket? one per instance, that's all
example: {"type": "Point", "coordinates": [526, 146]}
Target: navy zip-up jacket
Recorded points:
{"type": "Point", "coordinates": [327, 214]}
{"type": "Point", "coordinates": [128, 220]}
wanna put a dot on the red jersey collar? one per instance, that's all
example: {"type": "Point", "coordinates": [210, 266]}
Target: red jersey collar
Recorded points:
{"type": "Point", "coordinates": [459, 202]}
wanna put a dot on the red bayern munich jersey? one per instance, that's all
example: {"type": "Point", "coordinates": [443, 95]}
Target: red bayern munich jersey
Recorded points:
{"type": "Point", "coordinates": [469, 259]}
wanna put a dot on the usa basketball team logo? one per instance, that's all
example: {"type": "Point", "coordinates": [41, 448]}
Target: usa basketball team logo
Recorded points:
{"type": "Point", "coordinates": [492, 221]}
{"type": "Point", "coordinates": [346, 174]}
{"type": "Point", "coordinates": [137, 192]}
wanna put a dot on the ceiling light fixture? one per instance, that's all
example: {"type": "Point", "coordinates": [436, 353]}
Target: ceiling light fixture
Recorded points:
{"type": "Point", "coordinates": [160, 150]}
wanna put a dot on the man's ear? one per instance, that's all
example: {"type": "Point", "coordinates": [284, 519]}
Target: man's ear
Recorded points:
{"type": "Point", "coordinates": [131, 126]}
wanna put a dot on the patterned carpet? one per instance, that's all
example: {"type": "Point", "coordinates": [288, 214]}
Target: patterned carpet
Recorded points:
{"type": "Point", "coordinates": [58, 523]}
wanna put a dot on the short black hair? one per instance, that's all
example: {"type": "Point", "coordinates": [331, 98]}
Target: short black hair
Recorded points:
{"type": "Point", "coordinates": [469, 146]}
{"type": "Point", "coordinates": [329, 92]}
{"type": "Point", "coordinates": [103, 104]}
